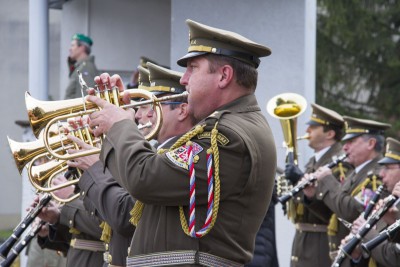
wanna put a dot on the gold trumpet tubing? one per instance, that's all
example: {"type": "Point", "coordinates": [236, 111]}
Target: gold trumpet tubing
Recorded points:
{"type": "Point", "coordinates": [24, 152]}
{"type": "Point", "coordinates": [60, 186]}
{"type": "Point", "coordinates": [41, 178]}
{"type": "Point", "coordinates": [41, 112]}
{"type": "Point", "coordinates": [40, 174]}
{"type": "Point", "coordinates": [135, 93]}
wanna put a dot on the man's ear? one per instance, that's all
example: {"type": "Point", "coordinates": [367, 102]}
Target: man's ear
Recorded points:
{"type": "Point", "coordinates": [226, 76]}
{"type": "Point", "coordinates": [183, 111]}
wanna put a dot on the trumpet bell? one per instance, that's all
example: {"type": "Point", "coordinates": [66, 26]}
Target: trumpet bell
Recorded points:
{"type": "Point", "coordinates": [287, 107]}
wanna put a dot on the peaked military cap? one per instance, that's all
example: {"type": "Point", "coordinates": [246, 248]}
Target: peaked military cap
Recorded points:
{"type": "Point", "coordinates": [83, 38]}
{"type": "Point", "coordinates": [205, 39]}
{"type": "Point", "coordinates": [144, 78]}
{"type": "Point", "coordinates": [144, 60]}
{"type": "Point", "coordinates": [163, 80]}
{"type": "Point", "coordinates": [324, 116]}
{"type": "Point", "coordinates": [355, 127]}
{"type": "Point", "coordinates": [392, 153]}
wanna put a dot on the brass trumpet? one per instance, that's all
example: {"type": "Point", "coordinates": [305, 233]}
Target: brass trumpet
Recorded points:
{"type": "Point", "coordinates": [43, 114]}
{"type": "Point", "coordinates": [287, 107]}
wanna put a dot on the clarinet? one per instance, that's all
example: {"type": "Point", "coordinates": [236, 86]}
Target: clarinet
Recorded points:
{"type": "Point", "coordinates": [348, 248]}
{"type": "Point", "coordinates": [21, 245]}
{"type": "Point", "coordinates": [19, 230]}
{"type": "Point", "coordinates": [372, 202]}
{"type": "Point", "coordinates": [385, 234]}
{"type": "Point", "coordinates": [300, 186]}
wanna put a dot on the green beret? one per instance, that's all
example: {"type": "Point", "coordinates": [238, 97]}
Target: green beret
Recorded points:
{"type": "Point", "coordinates": [83, 38]}
{"type": "Point", "coordinates": [163, 80]}
{"type": "Point", "coordinates": [204, 39]}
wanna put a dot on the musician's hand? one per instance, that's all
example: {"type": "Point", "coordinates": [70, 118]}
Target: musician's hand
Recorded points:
{"type": "Point", "coordinates": [82, 163]}
{"type": "Point", "coordinates": [44, 230]}
{"type": "Point", "coordinates": [396, 190]}
{"type": "Point", "coordinates": [293, 173]}
{"type": "Point", "coordinates": [50, 213]}
{"type": "Point", "coordinates": [309, 191]}
{"type": "Point", "coordinates": [357, 224]}
{"type": "Point", "coordinates": [391, 215]}
{"type": "Point", "coordinates": [357, 252]}
{"type": "Point", "coordinates": [322, 172]}
{"type": "Point", "coordinates": [65, 192]}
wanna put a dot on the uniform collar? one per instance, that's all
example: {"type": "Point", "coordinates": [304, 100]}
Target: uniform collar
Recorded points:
{"type": "Point", "coordinates": [318, 155]}
{"type": "Point", "coordinates": [89, 58]}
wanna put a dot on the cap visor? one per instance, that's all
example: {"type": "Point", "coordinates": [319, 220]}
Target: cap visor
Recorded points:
{"type": "Point", "coordinates": [183, 60]}
{"type": "Point", "coordinates": [313, 123]}
{"type": "Point", "coordinates": [350, 136]}
{"type": "Point", "coordinates": [387, 160]}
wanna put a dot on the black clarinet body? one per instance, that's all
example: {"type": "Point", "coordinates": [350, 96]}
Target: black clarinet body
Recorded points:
{"type": "Point", "coordinates": [21, 245]}
{"type": "Point", "coordinates": [348, 248]}
{"type": "Point", "coordinates": [22, 226]}
{"type": "Point", "coordinates": [372, 202]}
{"type": "Point", "coordinates": [384, 235]}
{"type": "Point", "coordinates": [300, 186]}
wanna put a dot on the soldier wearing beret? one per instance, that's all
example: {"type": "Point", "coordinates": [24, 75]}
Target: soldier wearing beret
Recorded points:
{"type": "Point", "coordinates": [209, 193]}
{"type": "Point", "coordinates": [79, 53]}
{"type": "Point", "coordinates": [364, 144]}
{"type": "Point", "coordinates": [310, 244]}
{"type": "Point", "coordinates": [388, 252]}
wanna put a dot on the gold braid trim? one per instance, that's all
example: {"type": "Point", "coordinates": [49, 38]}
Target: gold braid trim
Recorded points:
{"type": "Point", "coordinates": [341, 172]}
{"type": "Point", "coordinates": [333, 222]}
{"type": "Point", "coordinates": [137, 210]}
{"type": "Point", "coordinates": [74, 231]}
{"type": "Point", "coordinates": [372, 263]}
{"type": "Point", "coordinates": [333, 225]}
{"type": "Point", "coordinates": [106, 234]}
{"type": "Point", "coordinates": [217, 185]}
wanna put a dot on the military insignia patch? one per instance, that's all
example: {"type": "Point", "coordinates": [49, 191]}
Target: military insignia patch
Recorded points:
{"type": "Point", "coordinates": [364, 196]}
{"type": "Point", "coordinates": [179, 155]}
{"type": "Point", "coordinates": [222, 139]}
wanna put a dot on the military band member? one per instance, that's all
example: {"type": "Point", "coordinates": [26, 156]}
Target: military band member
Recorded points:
{"type": "Point", "coordinates": [310, 244]}
{"type": "Point", "coordinates": [73, 225]}
{"type": "Point", "coordinates": [387, 253]}
{"type": "Point", "coordinates": [232, 137]}
{"type": "Point", "coordinates": [103, 195]}
{"type": "Point", "coordinates": [79, 52]}
{"type": "Point", "coordinates": [364, 144]}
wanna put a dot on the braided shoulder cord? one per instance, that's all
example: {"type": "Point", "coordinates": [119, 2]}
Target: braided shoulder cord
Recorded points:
{"type": "Point", "coordinates": [213, 195]}
{"type": "Point", "coordinates": [137, 210]}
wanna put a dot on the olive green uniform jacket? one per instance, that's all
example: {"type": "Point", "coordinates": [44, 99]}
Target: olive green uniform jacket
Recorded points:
{"type": "Point", "coordinates": [88, 70]}
{"type": "Point", "coordinates": [247, 162]}
{"type": "Point", "coordinates": [310, 248]}
{"type": "Point", "coordinates": [338, 197]}
{"type": "Point", "coordinates": [74, 215]}
{"type": "Point", "coordinates": [104, 197]}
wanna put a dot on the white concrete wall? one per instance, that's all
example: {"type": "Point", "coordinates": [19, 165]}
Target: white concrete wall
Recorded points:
{"type": "Point", "coordinates": [287, 28]}
{"type": "Point", "coordinates": [14, 82]}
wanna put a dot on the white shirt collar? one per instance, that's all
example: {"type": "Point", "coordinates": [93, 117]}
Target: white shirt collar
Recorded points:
{"type": "Point", "coordinates": [359, 167]}
{"type": "Point", "coordinates": [163, 144]}
{"type": "Point", "coordinates": [320, 153]}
